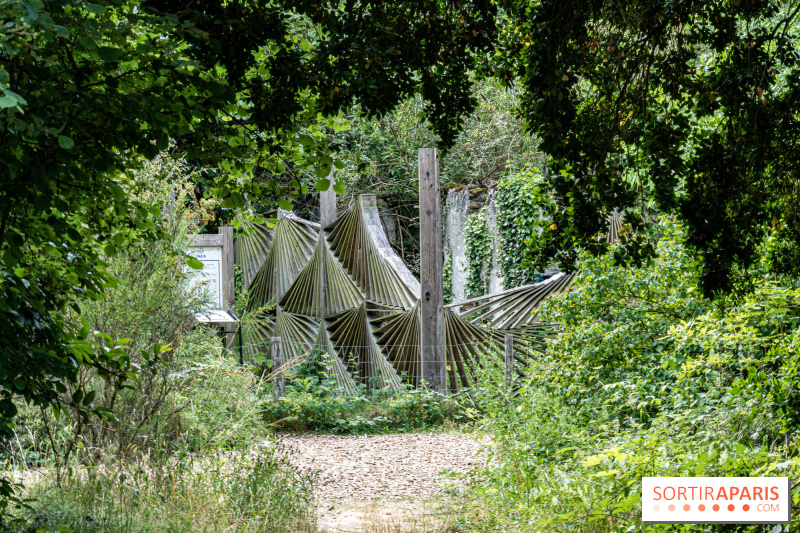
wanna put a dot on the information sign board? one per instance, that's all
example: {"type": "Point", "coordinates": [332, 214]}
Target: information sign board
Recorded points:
{"type": "Point", "coordinates": [210, 277]}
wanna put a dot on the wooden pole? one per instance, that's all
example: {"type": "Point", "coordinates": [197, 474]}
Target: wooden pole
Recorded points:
{"type": "Point", "coordinates": [228, 285]}
{"type": "Point", "coordinates": [432, 349]}
{"type": "Point", "coordinates": [509, 361]}
{"type": "Point", "coordinates": [327, 215]}
{"type": "Point", "coordinates": [278, 383]}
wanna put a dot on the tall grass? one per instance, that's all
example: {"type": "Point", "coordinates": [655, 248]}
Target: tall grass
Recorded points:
{"type": "Point", "coordinates": [246, 489]}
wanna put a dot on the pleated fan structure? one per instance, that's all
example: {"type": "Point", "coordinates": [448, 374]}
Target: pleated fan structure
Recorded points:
{"type": "Point", "coordinates": [365, 324]}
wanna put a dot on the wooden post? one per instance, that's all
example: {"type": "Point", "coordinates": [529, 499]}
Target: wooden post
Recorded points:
{"type": "Point", "coordinates": [432, 349]}
{"type": "Point", "coordinates": [327, 215]}
{"type": "Point", "coordinates": [509, 361]}
{"type": "Point", "coordinates": [278, 384]}
{"type": "Point", "coordinates": [228, 285]}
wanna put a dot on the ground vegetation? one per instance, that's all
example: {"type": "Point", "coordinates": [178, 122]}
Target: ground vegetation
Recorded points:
{"type": "Point", "coordinates": [647, 378]}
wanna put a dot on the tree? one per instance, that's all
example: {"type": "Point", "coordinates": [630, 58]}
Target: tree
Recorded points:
{"type": "Point", "coordinates": [383, 156]}
{"type": "Point", "coordinates": [90, 89]}
{"type": "Point", "coordinates": [689, 107]}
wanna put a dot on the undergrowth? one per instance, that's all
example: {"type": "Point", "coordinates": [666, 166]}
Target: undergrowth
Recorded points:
{"type": "Point", "coordinates": [182, 446]}
{"type": "Point", "coordinates": [646, 378]}
{"type": "Point", "coordinates": [242, 489]}
{"type": "Point", "coordinates": [314, 402]}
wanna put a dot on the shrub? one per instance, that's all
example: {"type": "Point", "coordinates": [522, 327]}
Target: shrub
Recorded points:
{"type": "Point", "coordinates": [615, 326]}
{"type": "Point", "coordinates": [313, 402]}
{"type": "Point", "coordinates": [404, 410]}
{"type": "Point", "coordinates": [154, 466]}
{"type": "Point", "coordinates": [215, 407]}
{"type": "Point", "coordinates": [149, 315]}
{"type": "Point", "coordinates": [647, 378]}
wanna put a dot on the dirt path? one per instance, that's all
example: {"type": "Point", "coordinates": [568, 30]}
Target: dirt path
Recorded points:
{"type": "Point", "coordinates": [383, 482]}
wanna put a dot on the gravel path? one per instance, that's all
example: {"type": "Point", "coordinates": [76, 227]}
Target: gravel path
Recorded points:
{"type": "Point", "coordinates": [371, 467]}
{"type": "Point", "coordinates": [383, 483]}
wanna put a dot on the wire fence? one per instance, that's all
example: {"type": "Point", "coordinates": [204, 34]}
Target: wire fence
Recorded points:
{"type": "Point", "coordinates": [374, 365]}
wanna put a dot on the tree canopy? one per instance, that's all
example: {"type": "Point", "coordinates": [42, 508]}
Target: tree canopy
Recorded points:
{"type": "Point", "coordinates": [688, 107]}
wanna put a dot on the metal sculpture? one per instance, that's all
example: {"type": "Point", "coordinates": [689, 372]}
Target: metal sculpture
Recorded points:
{"type": "Point", "coordinates": [370, 331]}
{"type": "Point", "coordinates": [514, 308]}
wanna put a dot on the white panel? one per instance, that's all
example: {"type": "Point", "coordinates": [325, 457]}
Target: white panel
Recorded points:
{"type": "Point", "coordinates": [210, 277]}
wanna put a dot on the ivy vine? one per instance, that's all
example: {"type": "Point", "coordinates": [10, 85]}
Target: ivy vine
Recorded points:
{"type": "Point", "coordinates": [517, 219]}
{"type": "Point", "coordinates": [478, 240]}
{"type": "Point", "coordinates": [447, 280]}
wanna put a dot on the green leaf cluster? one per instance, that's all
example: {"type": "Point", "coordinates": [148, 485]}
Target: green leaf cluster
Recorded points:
{"type": "Point", "coordinates": [687, 108]}
{"type": "Point", "coordinates": [647, 378]}
{"type": "Point", "coordinates": [479, 245]}
{"type": "Point", "coordinates": [88, 91]}
{"type": "Point", "coordinates": [518, 218]}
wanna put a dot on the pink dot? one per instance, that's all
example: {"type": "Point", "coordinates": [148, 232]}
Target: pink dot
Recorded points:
{"type": "Point", "coordinates": [656, 507]}
{"type": "Point", "coordinates": [687, 507]}
{"type": "Point", "coordinates": [671, 507]}
{"type": "Point", "coordinates": [701, 507]}
{"type": "Point", "coordinates": [731, 507]}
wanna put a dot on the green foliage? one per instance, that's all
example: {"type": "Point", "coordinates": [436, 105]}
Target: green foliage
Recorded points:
{"type": "Point", "coordinates": [589, 474]}
{"type": "Point", "coordinates": [616, 324]}
{"type": "Point", "coordinates": [214, 406]}
{"type": "Point", "coordinates": [89, 90]}
{"type": "Point", "coordinates": [647, 378]}
{"type": "Point", "coordinates": [491, 142]}
{"type": "Point", "coordinates": [687, 108]}
{"type": "Point", "coordinates": [165, 406]}
{"type": "Point", "coordinates": [381, 154]}
{"type": "Point", "coordinates": [313, 402]}
{"type": "Point", "coordinates": [376, 412]}
{"type": "Point", "coordinates": [152, 308]}
{"type": "Point", "coordinates": [244, 489]}
{"type": "Point", "coordinates": [518, 212]}
{"type": "Point", "coordinates": [479, 244]}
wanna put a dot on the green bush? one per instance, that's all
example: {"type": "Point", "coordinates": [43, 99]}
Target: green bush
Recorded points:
{"type": "Point", "coordinates": [647, 378]}
{"type": "Point", "coordinates": [217, 406]}
{"type": "Point", "coordinates": [176, 454]}
{"type": "Point", "coordinates": [402, 410]}
{"type": "Point", "coordinates": [313, 402]}
{"type": "Point", "coordinates": [549, 470]}
{"type": "Point", "coordinates": [150, 312]}
{"type": "Point", "coordinates": [615, 331]}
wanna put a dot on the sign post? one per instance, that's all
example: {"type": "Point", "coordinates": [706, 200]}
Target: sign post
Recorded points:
{"type": "Point", "coordinates": [216, 276]}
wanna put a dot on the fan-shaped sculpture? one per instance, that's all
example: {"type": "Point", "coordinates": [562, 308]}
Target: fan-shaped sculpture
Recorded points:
{"type": "Point", "coordinates": [514, 308]}
{"type": "Point", "coordinates": [341, 290]}
{"type": "Point", "coordinates": [292, 245]}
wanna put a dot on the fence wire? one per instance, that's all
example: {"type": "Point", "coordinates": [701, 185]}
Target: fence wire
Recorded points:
{"type": "Point", "coordinates": [372, 365]}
